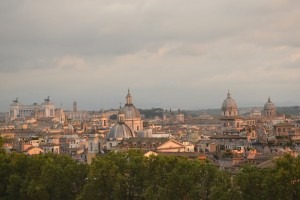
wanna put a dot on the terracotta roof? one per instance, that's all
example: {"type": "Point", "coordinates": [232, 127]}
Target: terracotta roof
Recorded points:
{"type": "Point", "coordinates": [227, 137]}
{"type": "Point", "coordinates": [284, 124]}
{"type": "Point", "coordinates": [266, 164]}
{"type": "Point", "coordinates": [183, 154]}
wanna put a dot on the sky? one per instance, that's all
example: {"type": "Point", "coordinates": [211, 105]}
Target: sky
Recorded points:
{"type": "Point", "coordinates": [170, 53]}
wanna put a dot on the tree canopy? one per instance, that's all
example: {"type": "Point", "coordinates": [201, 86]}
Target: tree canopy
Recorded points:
{"type": "Point", "coordinates": [131, 175]}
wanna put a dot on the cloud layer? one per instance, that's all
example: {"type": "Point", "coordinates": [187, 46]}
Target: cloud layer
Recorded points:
{"type": "Point", "coordinates": [170, 53]}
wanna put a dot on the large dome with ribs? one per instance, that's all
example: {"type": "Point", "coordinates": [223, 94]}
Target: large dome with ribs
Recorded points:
{"type": "Point", "coordinates": [229, 104]}
{"type": "Point", "coordinates": [269, 105]}
{"type": "Point", "coordinates": [119, 132]}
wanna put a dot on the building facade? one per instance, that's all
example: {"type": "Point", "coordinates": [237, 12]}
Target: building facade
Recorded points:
{"type": "Point", "coordinates": [18, 110]}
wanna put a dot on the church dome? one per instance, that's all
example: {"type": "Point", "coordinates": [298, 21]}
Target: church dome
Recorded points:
{"type": "Point", "coordinates": [229, 104]}
{"type": "Point", "coordinates": [269, 105]}
{"type": "Point", "coordinates": [129, 110]}
{"type": "Point", "coordinates": [269, 108]}
{"type": "Point", "coordinates": [119, 132]}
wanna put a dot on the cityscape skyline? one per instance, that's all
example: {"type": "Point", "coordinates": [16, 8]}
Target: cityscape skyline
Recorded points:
{"type": "Point", "coordinates": [70, 106]}
{"type": "Point", "coordinates": [170, 55]}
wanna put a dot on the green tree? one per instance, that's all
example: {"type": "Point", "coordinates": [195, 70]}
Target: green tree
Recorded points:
{"type": "Point", "coordinates": [47, 176]}
{"type": "Point", "coordinates": [61, 177]}
{"type": "Point", "coordinates": [205, 176]}
{"type": "Point", "coordinates": [115, 176]}
{"type": "Point", "coordinates": [18, 168]}
{"type": "Point", "coordinates": [1, 144]}
{"type": "Point", "coordinates": [181, 180]}
{"type": "Point", "coordinates": [171, 177]}
{"type": "Point", "coordinates": [223, 188]}
{"type": "Point", "coordinates": [158, 171]}
{"type": "Point", "coordinates": [250, 181]}
{"type": "Point", "coordinates": [285, 180]}
{"type": "Point", "coordinates": [5, 171]}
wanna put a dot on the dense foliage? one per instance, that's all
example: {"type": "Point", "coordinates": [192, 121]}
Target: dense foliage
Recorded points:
{"type": "Point", "coordinates": [46, 176]}
{"type": "Point", "coordinates": [130, 175]}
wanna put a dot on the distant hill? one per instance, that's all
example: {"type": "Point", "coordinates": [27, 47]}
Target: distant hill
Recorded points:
{"type": "Point", "coordinates": [287, 110]}
{"type": "Point", "coordinates": [292, 110]}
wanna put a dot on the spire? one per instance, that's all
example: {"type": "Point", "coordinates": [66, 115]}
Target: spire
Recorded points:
{"type": "Point", "coordinates": [121, 115]}
{"type": "Point", "coordinates": [129, 98]}
{"type": "Point", "coordinates": [228, 95]}
{"type": "Point", "coordinates": [269, 99]}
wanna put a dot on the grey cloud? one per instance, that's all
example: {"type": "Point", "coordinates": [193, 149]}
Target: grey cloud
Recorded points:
{"type": "Point", "coordinates": [173, 46]}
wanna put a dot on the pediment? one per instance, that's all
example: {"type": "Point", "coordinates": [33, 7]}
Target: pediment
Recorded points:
{"type": "Point", "coordinates": [170, 144]}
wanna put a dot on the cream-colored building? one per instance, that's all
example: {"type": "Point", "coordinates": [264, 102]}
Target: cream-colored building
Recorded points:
{"type": "Point", "coordinates": [51, 148]}
{"type": "Point", "coordinates": [94, 145]}
{"type": "Point", "coordinates": [103, 121]}
{"type": "Point", "coordinates": [78, 115]}
{"type": "Point", "coordinates": [18, 110]}
{"type": "Point", "coordinates": [33, 151]}
{"type": "Point", "coordinates": [255, 112]}
{"type": "Point", "coordinates": [171, 146]}
{"type": "Point", "coordinates": [180, 117]}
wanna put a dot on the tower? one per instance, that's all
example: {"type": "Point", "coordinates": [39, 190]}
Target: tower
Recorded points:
{"type": "Point", "coordinates": [74, 106]}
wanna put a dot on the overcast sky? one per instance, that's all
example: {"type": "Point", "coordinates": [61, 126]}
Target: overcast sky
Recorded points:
{"type": "Point", "coordinates": [170, 53]}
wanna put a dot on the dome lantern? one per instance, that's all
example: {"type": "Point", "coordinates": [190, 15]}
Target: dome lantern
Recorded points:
{"type": "Point", "coordinates": [129, 98]}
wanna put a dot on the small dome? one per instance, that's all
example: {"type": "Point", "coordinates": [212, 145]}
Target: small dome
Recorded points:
{"type": "Point", "coordinates": [119, 132]}
{"type": "Point", "coordinates": [229, 104]}
{"type": "Point", "coordinates": [269, 105]}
